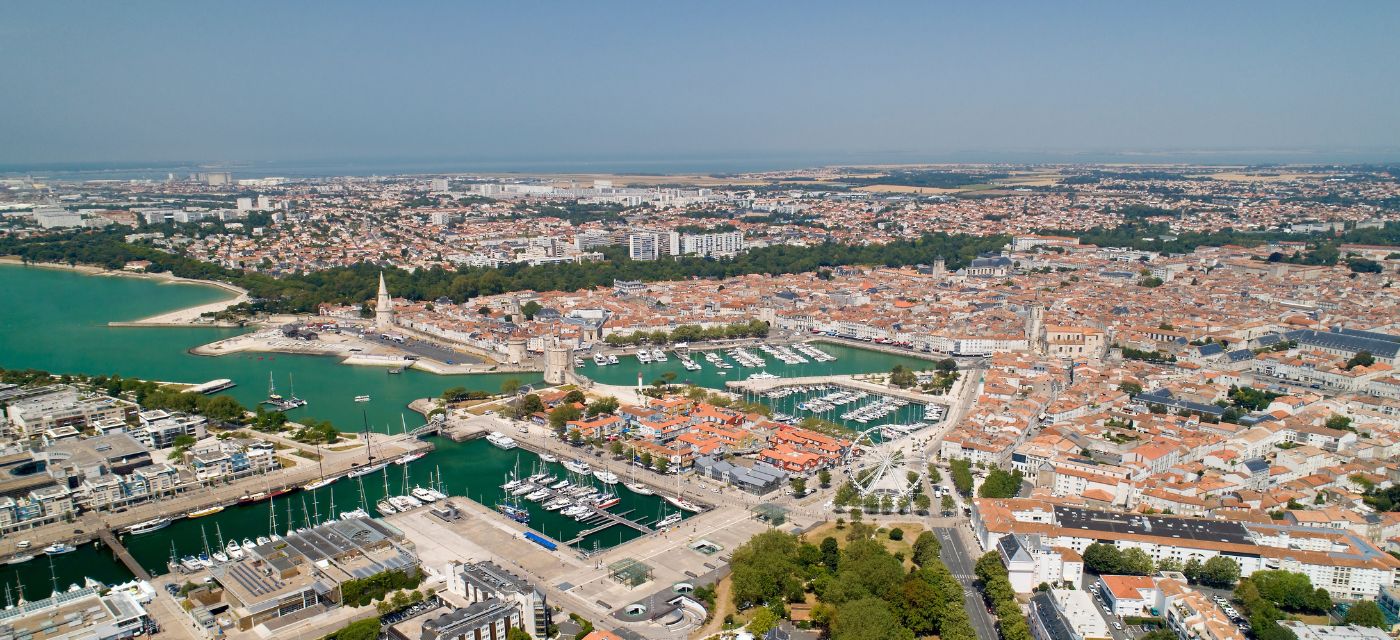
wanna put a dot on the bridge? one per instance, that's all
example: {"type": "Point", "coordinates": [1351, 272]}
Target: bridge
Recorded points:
{"type": "Point", "coordinates": [119, 550]}
{"type": "Point", "coordinates": [432, 427]}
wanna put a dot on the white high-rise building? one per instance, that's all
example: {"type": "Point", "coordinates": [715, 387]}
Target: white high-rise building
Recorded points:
{"type": "Point", "coordinates": [644, 245]}
{"type": "Point", "coordinates": [245, 204]}
{"type": "Point", "coordinates": [439, 185]}
{"type": "Point", "coordinates": [721, 244]}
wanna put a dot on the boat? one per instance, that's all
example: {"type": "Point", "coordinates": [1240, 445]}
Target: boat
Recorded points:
{"type": "Point", "coordinates": [606, 500]}
{"type": "Point", "coordinates": [396, 370]}
{"type": "Point", "coordinates": [207, 511]}
{"type": "Point", "coordinates": [219, 557]}
{"type": "Point", "coordinates": [356, 513]}
{"type": "Point", "coordinates": [537, 495]}
{"type": "Point", "coordinates": [361, 398]}
{"type": "Point", "coordinates": [233, 550]}
{"type": "Point", "coordinates": [423, 495]}
{"type": "Point", "coordinates": [638, 488]}
{"type": "Point", "coordinates": [501, 440]}
{"type": "Point", "coordinates": [605, 477]}
{"type": "Point", "coordinates": [190, 563]}
{"type": "Point", "coordinates": [385, 508]}
{"type": "Point", "coordinates": [658, 355]}
{"type": "Point", "coordinates": [683, 503]}
{"type": "Point", "coordinates": [410, 457]}
{"type": "Point", "coordinates": [404, 503]}
{"type": "Point", "coordinates": [643, 356]}
{"type": "Point", "coordinates": [578, 467]}
{"type": "Point", "coordinates": [612, 359]}
{"type": "Point", "coordinates": [549, 457]}
{"type": "Point", "coordinates": [251, 498]}
{"type": "Point", "coordinates": [149, 526]}
{"type": "Point", "coordinates": [248, 544]}
{"type": "Point", "coordinates": [514, 513]}
{"type": "Point", "coordinates": [364, 471]}
{"type": "Point", "coordinates": [600, 359]}
{"type": "Point", "coordinates": [20, 559]}
{"type": "Point", "coordinates": [668, 521]}
{"type": "Point", "coordinates": [277, 493]}
{"type": "Point", "coordinates": [575, 511]}
{"type": "Point", "coordinates": [317, 484]}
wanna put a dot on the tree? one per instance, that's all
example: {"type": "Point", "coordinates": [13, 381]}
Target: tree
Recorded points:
{"type": "Point", "coordinates": [602, 405]}
{"type": "Point", "coordinates": [799, 485]}
{"type": "Point", "coordinates": [509, 386]}
{"type": "Point", "coordinates": [763, 620]}
{"type": "Point", "coordinates": [1000, 484]}
{"type": "Point", "coordinates": [902, 377]}
{"type": "Point", "coordinates": [561, 415]}
{"type": "Point", "coordinates": [831, 553]}
{"type": "Point", "coordinates": [1362, 359]}
{"type": "Point", "coordinates": [761, 566]}
{"type": "Point", "coordinates": [530, 405]}
{"type": "Point", "coordinates": [529, 309]}
{"type": "Point", "coordinates": [1338, 422]}
{"type": "Point", "coordinates": [661, 463]}
{"type": "Point", "coordinates": [868, 619]}
{"type": "Point", "coordinates": [824, 478]}
{"type": "Point", "coordinates": [1136, 562]}
{"type": "Point", "coordinates": [1290, 591]}
{"type": "Point", "coordinates": [1129, 387]}
{"type": "Point", "coordinates": [962, 476]}
{"type": "Point", "coordinates": [897, 534]}
{"type": "Point", "coordinates": [947, 503]}
{"type": "Point", "coordinates": [922, 503]}
{"type": "Point", "coordinates": [645, 459]}
{"type": "Point", "coordinates": [926, 549]}
{"type": "Point", "coordinates": [223, 408]}
{"type": "Point", "coordinates": [1366, 613]}
{"type": "Point", "coordinates": [1103, 558]}
{"type": "Point", "coordinates": [1219, 572]}
{"type": "Point", "coordinates": [573, 397]}
{"type": "Point", "coordinates": [616, 448]}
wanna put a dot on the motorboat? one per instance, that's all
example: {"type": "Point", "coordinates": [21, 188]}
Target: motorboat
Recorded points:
{"type": "Point", "coordinates": [219, 557]}
{"type": "Point", "coordinates": [436, 495]}
{"type": "Point", "coordinates": [262, 540]}
{"type": "Point", "coordinates": [361, 398]}
{"type": "Point", "coordinates": [385, 508]}
{"type": "Point", "coordinates": [501, 440]}
{"type": "Point", "coordinates": [612, 359]}
{"type": "Point", "coordinates": [668, 520]}
{"type": "Point", "coordinates": [549, 457]}
{"type": "Point", "coordinates": [423, 495]}
{"type": "Point", "coordinates": [537, 495]}
{"type": "Point", "coordinates": [411, 457]}
{"type": "Point", "coordinates": [20, 559]}
{"type": "Point", "coordinates": [233, 550]}
{"type": "Point", "coordinates": [638, 488]}
{"type": "Point", "coordinates": [578, 467]}
{"type": "Point", "coordinates": [600, 359]}
{"type": "Point", "coordinates": [59, 548]}
{"type": "Point", "coordinates": [356, 513]}
{"type": "Point", "coordinates": [149, 526]}
{"type": "Point", "coordinates": [575, 510]}
{"type": "Point", "coordinates": [605, 476]}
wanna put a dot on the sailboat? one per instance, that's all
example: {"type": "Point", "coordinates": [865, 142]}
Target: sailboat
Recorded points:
{"type": "Point", "coordinates": [679, 499]}
{"type": "Point", "coordinates": [317, 484]}
{"type": "Point", "coordinates": [370, 466]}
{"type": "Point", "coordinates": [385, 506]}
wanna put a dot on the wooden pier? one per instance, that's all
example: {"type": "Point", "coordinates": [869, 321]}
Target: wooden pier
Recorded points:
{"type": "Point", "coordinates": [610, 519]}
{"type": "Point", "coordinates": [119, 550]}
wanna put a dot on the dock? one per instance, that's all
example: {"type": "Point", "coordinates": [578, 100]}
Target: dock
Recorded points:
{"type": "Point", "coordinates": [119, 550]}
{"type": "Point", "coordinates": [608, 520]}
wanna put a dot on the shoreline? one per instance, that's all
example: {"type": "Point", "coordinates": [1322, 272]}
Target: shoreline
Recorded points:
{"type": "Point", "coordinates": [187, 316]}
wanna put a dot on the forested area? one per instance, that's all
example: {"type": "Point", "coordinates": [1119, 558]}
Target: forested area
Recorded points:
{"type": "Point", "coordinates": [302, 292]}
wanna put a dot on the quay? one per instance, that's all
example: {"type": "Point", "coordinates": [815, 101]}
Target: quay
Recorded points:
{"type": "Point", "coordinates": [119, 550]}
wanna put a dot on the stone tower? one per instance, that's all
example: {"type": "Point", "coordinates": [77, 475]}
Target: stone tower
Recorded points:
{"type": "Point", "coordinates": [383, 306]}
{"type": "Point", "coordinates": [515, 349]}
{"type": "Point", "coordinates": [1035, 329]}
{"type": "Point", "coordinates": [558, 358]}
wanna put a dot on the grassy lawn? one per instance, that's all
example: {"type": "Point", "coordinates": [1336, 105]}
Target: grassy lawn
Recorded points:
{"type": "Point", "coordinates": [911, 533]}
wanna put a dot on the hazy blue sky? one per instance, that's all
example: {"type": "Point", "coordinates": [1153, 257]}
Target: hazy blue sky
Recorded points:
{"type": "Point", "coordinates": [112, 81]}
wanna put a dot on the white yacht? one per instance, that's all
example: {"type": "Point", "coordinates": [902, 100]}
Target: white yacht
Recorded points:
{"type": "Point", "coordinates": [605, 476]}
{"type": "Point", "coordinates": [501, 440]}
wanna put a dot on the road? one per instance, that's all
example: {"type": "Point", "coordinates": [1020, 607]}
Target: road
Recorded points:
{"type": "Point", "coordinates": [961, 561]}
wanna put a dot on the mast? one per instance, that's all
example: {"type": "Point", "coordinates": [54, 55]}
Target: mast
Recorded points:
{"type": "Point", "coordinates": [291, 523]}
{"type": "Point", "coordinates": [315, 506]}
{"type": "Point", "coordinates": [53, 577]}
{"type": "Point", "coordinates": [272, 517]}
{"type": "Point", "coordinates": [330, 513]}
{"type": "Point", "coordinates": [364, 505]}
{"type": "Point", "coordinates": [365, 431]}
{"type": "Point", "coordinates": [204, 536]}
{"type": "Point", "coordinates": [219, 535]}
{"type": "Point", "coordinates": [320, 464]}
{"type": "Point", "coordinates": [305, 515]}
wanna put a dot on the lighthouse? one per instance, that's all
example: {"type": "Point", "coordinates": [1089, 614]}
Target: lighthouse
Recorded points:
{"type": "Point", "coordinates": [383, 306]}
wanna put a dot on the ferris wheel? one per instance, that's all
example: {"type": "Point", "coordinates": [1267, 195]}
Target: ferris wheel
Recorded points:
{"type": "Point", "coordinates": [878, 470]}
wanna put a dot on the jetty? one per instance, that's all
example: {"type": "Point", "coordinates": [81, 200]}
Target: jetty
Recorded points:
{"type": "Point", "coordinates": [119, 550]}
{"type": "Point", "coordinates": [602, 520]}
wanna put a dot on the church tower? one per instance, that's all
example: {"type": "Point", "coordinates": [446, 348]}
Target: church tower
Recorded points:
{"type": "Point", "coordinates": [383, 306]}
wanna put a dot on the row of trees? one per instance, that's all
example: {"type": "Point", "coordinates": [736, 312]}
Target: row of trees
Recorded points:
{"type": "Point", "coordinates": [1219, 571]}
{"type": "Point", "coordinates": [1265, 596]}
{"type": "Point", "coordinates": [1001, 597]}
{"type": "Point", "coordinates": [863, 591]}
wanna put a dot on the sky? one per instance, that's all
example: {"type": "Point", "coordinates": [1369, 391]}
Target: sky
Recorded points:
{"type": "Point", "coordinates": [880, 81]}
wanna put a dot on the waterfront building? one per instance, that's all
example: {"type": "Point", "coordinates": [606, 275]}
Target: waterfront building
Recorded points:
{"type": "Point", "coordinates": [485, 620]}
{"type": "Point", "coordinates": [305, 570]}
{"type": "Point", "coordinates": [89, 613]}
{"type": "Point", "coordinates": [62, 406]}
{"type": "Point", "coordinates": [56, 217]}
{"type": "Point", "coordinates": [159, 428]}
{"type": "Point", "coordinates": [485, 581]}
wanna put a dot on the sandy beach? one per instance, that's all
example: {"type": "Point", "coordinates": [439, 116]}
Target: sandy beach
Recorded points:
{"type": "Point", "coordinates": [180, 317]}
